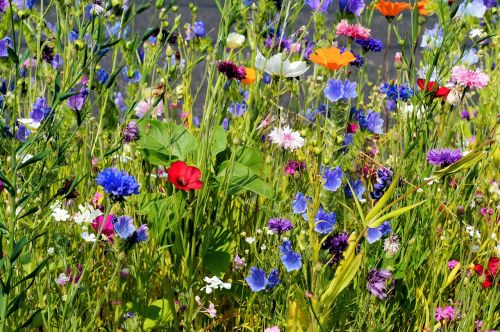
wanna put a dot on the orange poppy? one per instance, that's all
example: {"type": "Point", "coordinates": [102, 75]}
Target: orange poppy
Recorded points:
{"type": "Point", "coordinates": [250, 76]}
{"type": "Point", "coordinates": [422, 10]}
{"type": "Point", "coordinates": [331, 58]}
{"type": "Point", "coordinates": [391, 9]}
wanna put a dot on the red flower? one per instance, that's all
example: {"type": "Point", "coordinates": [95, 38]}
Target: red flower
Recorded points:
{"type": "Point", "coordinates": [184, 177]}
{"type": "Point", "coordinates": [490, 273]}
{"type": "Point", "coordinates": [432, 86]}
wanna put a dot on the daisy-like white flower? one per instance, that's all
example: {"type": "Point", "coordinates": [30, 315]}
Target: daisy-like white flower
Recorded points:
{"type": "Point", "coordinates": [286, 138]}
{"type": "Point", "coordinates": [277, 67]}
{"type": "Point", "coordinates": [86, 214]}
{"type": "Point", "coordinates": [214, 283]}
{"type": "Point", "coordinates": [476, 33]}
{"type": "Point", "coordinates": [89, 237]}
{"type": "Point", "coordinates": [60, 214]}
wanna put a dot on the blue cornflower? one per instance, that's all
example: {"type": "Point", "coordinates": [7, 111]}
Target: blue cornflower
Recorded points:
{"type": "Point", "coordinates": [257, 279]}
{"type": "Point", "coordinates": [351, 6]}
{"type": "Point", "coordinates": [5, 43]}
{"type": "Point", "coordinates": [199, 29]}
{"type": "Point", "coordinates": [370, 44]}
{"type": "Point", "coordinates": [357, 187]}
{"type": "Point", "coordinates": [390, 90]}
{"type": "Point", "coordinates": [102, 76]}
{"type": "Point", "coordinates": [73, 36]}
{"type": "Point", "coordinates": [22, 133]}
{"type": "Point", "coordinates": [324, 221]}
{"type": "Point", "coordinates": [238, 109]}
{"type": "Point", "coordinates": [135, 78]}
{"type": "Point", "coordinates": [371, 122]}
{"type": "Point", "coordinates": [123, 226]}
{"type": "Point", "coordinates": [40, 110]}
{"type": "Point", "coordinates": [118, 184]}
{"type": "Point", "coordinates": [333, 178]}
{"type": "Point", "coordinates": [336, 90]}
{"type": "Point", "coordinates": [319, 5]}
{"type": "Point", "coordinates": [405, 92]}
{"type": "Point", "coordinates": [291, 259]}
{"type": "Point", "coordinates": [375, 234]}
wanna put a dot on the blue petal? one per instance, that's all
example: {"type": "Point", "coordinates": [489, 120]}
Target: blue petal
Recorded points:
{"type": "Point", "coordinates": [257, 279]}
{"type": "Point", "coordinates": [373, 235]}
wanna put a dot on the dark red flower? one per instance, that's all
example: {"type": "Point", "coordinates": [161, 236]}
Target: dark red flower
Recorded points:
{"type": "Point", "coordinates": [184, 177]}
{"type": "Point", "coordinates": [489, 273]}
{"type": "Point", "coordinates": [438, 91]}
{"type": "Point", "coordinates": [231, 70]}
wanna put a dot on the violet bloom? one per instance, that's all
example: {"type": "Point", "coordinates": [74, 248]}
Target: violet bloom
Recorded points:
{"type": "Point", "coordinates": [333, 178]}
{"type": "Point", "coordinates": [324, 222]}
{"type": "Point", "coordinates": [452, 264]}
{"type": "Point", "coordinates": [76, 102]}
{"type": "Point", "coordinates": [337, 90]}
{"type": "Point", "coordinates": [447, 313]}
{"type": "Point", "coordinates": [3, 5]}
{"type": "Point", "coordinates": [131, 132]}
{"type": "Point", "coordinates": [443, 157]}
{"type": "Point", "coordinates": [372, 122]}
{"type": "Point", "coordinates": [336, 244]}
{"type": "Point", "coordinates": [279, 225]}
{"type": "Point", "coordinates": [293, 167]}
{"type": "Point", "coordinates": [40, 110]}
{"type": "Point", "coordinates": [257, 279]}
{"type": "Point", "coordinates": [319, 5]}
{"type": "Point", "coordinates": [377, 282]}
{"type": "Point", "coordinates": [231, 70]}
{"type": "Point", "coordinates": [5, 43]}
{"type": "Point", "coordinates": [352, 6]}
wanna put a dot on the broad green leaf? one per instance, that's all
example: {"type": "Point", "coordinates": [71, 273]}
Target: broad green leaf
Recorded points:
{"type": "Point", "coordinates": [158, 314]}
{"type": "Point", "coordinates": [217, 262]}
{"type": "Point", "coordinates": [242, 178]}
{"type": "Point", "coordinates": [219, 141]}
{"type": "Point", "coordinates": [377, 222]}
{"type": "Point", "coordinates": [251, 158]}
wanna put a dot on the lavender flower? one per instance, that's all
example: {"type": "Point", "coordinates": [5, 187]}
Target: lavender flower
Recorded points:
{"type": "Point", "coordinates": [443, 157]}
{"type": "Point", "coordinates": [337, 90]}
{"type": "Point", "coordinates": [319, 5]}
{"type": "Point", "coordinates": [333, 178]}
{"type": "Point", "coordinates": [372, 122]}
{"type": "Point", "coordinates": [40, 110]}
{"type": "Point", "coordinates": [336, 244]}
{"type": "Point", "coordinates": [279, 225]}
{"type": "Point", "coordinates": [291, 259]}
{"type": "Point", "coordinates": [76, 102]}
{"type": "Point", "coordinates": [377, 282]}
{"type": "Point", "coordinates": [352, 6]}
{"type": "Point", "coordinates": [131, 132]}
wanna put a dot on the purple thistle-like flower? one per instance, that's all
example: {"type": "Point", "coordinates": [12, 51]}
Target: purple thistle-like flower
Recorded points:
{"type": "Point", "coordinates": [336, 244]}
{"type": "Point", "coordinates": [370, 44]}
{"type": "Point", "coordinates": [319, 5]}
{"type": "Point", "coordinates": [377, 282]}
{"type": "Point", "coordinates": [231, 70]}
{"type": "Point", "coordinates": [443, 157]}
{"type": "Point", "coordinates": [352, 6]}
{"type": "Point", "coordinates": [131, 132]}
{"type": "Point", "coordinates": [279, 225]}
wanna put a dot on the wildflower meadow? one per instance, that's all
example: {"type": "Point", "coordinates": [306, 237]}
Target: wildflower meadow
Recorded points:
{"type": "Point", "coordinates": [287, 165]}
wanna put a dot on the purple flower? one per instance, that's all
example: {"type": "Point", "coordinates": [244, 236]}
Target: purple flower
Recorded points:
{"type": "Point", "coordinates": [443, 157]}
{"type": "Point", "coordinates": [142, 233]}
{"type": "Point", "coordinates": [5, 43]}
{"type": "Point", "coordinates": [279, 225]}
{"type": "Point", "coordinates": [24, 4]}
{"type": "Point", "coordinates": [336, 244]}
{"type": "Point", "coordinates": [333, 178]}
{"type": "Point", "coordinates": [22, 133]}
{"type": "Point", "coordinates": [319, 5]}
{"type": "Point", "coordinates": [490, 3]}
{"type": "Point", "coordinates": [40, 110]}
{"type": "Point", "coordinates": [299, 204]}
{"type": "Point", "coordinates": [123, 226]}
{"type": "Point", "coordinates": [257, 279]}
{"type": "Point", "coordinates": [118, 184]}
{"type": "Point", "coordinates": [352, 6]}
{"type": "Point", "coordinates": [3, 5]}
{"type": "Point", "coordinates": [377, 282]}
{"type": "Point", "coordinates": [370, 44]}
{"type": "Point", "coordinates": [237, 109]}
{"type": "Point", "coordinates": [336, 90]}
{"type": "Point", "coordinates": [324, 221]}
{"type": "Point", "coordinates": [131, 132]}
{"type": "Point", "coordinates": [395, 92]}
{"type": "Point", "coordinates": [231, 70]}
{"type": "Point", "coordinates": [447, 313]}
{"type": "Point", "coordinates": [291, 259]}
{"type": "Point", "coordinates": [384, 180]}
{"type": "Point", "coordinates": [464, 114]}
{"type": "Point", "coordinates": [199, 29]}
{"type": "Point", "coordinates": [372, 122]}
{"type": "Point", "coordinates": [375, 234]}
{"type": "Point", "coordinates": [452, 264]}
{"type": "Point", "coordinates": [76, 102]}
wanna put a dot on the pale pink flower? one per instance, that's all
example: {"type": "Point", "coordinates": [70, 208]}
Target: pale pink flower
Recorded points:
{"type": "Point", "coordinates": [211, 311]}
{"type": "Point", "coordinates": [286, 138]}
{"type": "Point", "coordinates": [272, 329]}
{"type": "Point", "coordinates": [352, 30]}
{"type": "Point", "coordinates": [470, 78]}
{"type": "Point", "coordinates": [143, 107]}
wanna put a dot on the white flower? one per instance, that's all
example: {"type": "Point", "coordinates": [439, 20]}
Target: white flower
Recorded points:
{"type": "Point", "coordinates": [234, 40]}
{"type": "Point", "coordinates": [29, 123]}
{"type": "Point", "coordinates": [89, 237]}
{"type": "Point", "coordinates": [275, 66]}
{"type": "Point", "coordinates": [50, 251]}
{"type": "Point", "coordinates": [250, 240]}
{"type": "Point", "coordinates": [62, 279]}
{"type": "Point", "coordinates": [286, 138]}
{"type": "Point", "coordinates": [391, 245]}
{"type": "Point", "coordinates": [87, 214]}
{"type": "Point", "coordinates": [214, 283]}
{"type": "Point", "coordinates": [475, 33]}
{"type": "Point", "coordinates": [473, 233]}
{"type": "Point", "coordinates": [475, 8]}
{"type": "Point", "coordinates": [422, 74]}
{"type": "Point", "coordinates": [263, 247]}
{"type": "Point", "coordinates": [60, 214]}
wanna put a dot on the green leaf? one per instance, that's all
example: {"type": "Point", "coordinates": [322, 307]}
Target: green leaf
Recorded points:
{"type": "Point", "coordinates": [241, 178]}
{"type": "Point", "coordinates": [250, 157]}
{"type": "Point", "coordinates": [378, 208]}
{"type": "Point", "coordinates": [219, 141]}
{"type": "Point", "coordinates": [465, 162]}
{"type": "Point", "coordinates": [158, 314]}
{"type": "Point", "coordinates": [217, 262]}
{"type": "Point", "coordinates": [377, 222]}
{"type": "Point", "coordinates": [34, 159]}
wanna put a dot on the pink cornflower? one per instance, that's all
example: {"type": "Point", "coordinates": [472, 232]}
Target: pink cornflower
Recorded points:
{"type": "Point", "coordinates": [452, 264]}
{"type": "Point", "coordinates": [144, 105]}
{"type": "Point", "coordinates": [469, 78]}
{"type": "Point", "coordinates": [447, 313]}
{"type": "Point", "coordinates": [286, 138]}
{"type": "Point", "coordinates": [352, 30]}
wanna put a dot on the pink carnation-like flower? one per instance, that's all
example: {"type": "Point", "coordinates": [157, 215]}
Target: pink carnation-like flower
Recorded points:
{"type": "Point", "coordinates": [352, 30]}
{"type": "Point", "coordinates": [470, 78]}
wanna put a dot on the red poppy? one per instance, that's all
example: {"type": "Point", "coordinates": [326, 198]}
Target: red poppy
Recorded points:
{"type": "Point", "coordinates": [438, 91]}
{"type": "Point", "coordinates": [489, 273]}
{"type": "Point", "coordinates": [184, 177]}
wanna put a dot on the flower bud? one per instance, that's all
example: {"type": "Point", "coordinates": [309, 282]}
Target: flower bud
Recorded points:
{"type": "Point", "coordinates": [159, 3]}
{"type": "Point", "coordinates": [398, 60]}
{"type": "Point", "coordinates": [234, 40]}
